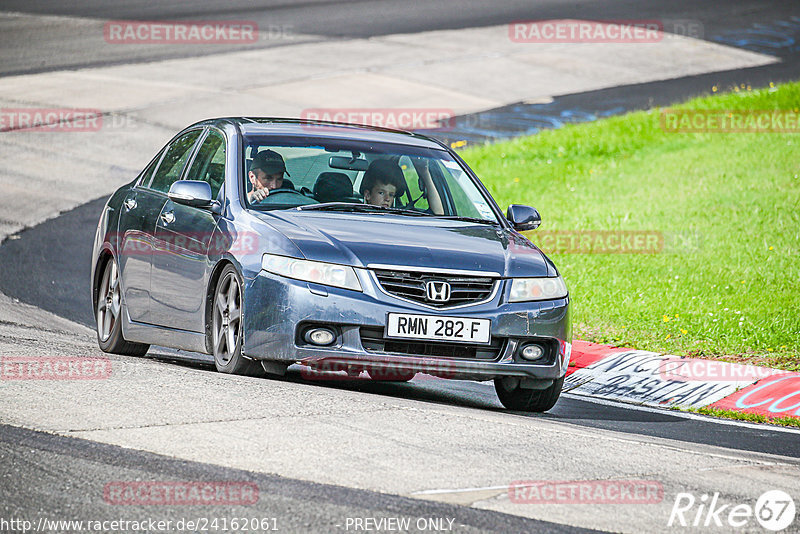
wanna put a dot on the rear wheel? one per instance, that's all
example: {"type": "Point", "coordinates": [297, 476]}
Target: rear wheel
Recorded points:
{"type": "Point", "coordinates": [226, 330]}
{"type": "Point", "coordinates": [108, 315]}
{"type": "Point", "coordinates": [527, 400]}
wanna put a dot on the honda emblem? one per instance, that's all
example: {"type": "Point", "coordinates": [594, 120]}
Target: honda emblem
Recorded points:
{"type": "Point", "coordinates": [437, 291]}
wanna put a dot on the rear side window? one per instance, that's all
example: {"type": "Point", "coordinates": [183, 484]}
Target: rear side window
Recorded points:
{"type": "Point", "coordinates": [174, 161]}
{"type": "Point", "coordinates": [209, 163]}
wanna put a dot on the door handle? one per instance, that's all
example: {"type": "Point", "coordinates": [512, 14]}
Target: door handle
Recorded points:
{"type": "Point", "coordinates": [130, 203]}
{"type": "Point", "coordinates": [168, 217]}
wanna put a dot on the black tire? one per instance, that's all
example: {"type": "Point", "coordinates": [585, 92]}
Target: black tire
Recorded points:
{"type": "Point", "coordinates": [528, 400]}
{"type": "Point", "coordinates": [108, 315]}
{"type": "Point", "coordinates": [226, 326]}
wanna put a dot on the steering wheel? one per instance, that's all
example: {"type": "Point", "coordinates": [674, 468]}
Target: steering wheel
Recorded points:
{"type": "Point", "coordinates": [281, 196]}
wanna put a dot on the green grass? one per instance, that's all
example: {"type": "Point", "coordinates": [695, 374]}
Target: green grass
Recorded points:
{"type": "Point", "coordinates": [741, 416]}
{"type": "Point", "coordinates": [727, 283]}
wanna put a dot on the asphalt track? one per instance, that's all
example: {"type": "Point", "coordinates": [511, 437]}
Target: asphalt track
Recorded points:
{"type": "Point", "coordinates": [62, 288]}
{"type": "Point", "coordinates": [66, 482]}
{"type": "Point", "coordinates": [48, 265]}
{"type": "Point", "coordinates": [32, 274]}
{"type": "Point", "coordinates": [53, 46]}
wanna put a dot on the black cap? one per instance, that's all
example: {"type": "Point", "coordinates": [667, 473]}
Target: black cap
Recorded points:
{"type": "Point", "coordinates": [269, 161]}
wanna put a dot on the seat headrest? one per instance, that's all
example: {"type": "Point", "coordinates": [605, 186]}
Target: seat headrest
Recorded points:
{"type": "Point", "coordinates": [333, 187]}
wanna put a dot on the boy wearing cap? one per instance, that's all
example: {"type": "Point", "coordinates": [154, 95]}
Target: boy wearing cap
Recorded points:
{"type": "Point", "coordinates": [266, 174]}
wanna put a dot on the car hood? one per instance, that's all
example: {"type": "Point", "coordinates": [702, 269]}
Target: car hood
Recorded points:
{"type": "Point", "coordinates": [361, 240]}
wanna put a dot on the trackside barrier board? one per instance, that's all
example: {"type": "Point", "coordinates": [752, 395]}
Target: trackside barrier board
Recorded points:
{"type": "Point", "coordinates": [639, 376]}
{"type": "Point", "coordinates": [653, 379]}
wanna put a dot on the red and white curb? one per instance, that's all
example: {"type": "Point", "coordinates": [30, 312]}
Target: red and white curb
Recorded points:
{"type": "Point", "coordinates": [660, 380]}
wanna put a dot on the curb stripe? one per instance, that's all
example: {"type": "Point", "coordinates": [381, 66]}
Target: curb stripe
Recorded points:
{"type": "Point", "coordinates": [655, 379]}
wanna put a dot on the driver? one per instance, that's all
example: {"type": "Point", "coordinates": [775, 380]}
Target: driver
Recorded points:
{"type": "Point", "coordinates": [266, 174]}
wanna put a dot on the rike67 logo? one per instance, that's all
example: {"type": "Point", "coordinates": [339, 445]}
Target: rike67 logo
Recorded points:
{"type": "Point", "coordinates": [774, 510]}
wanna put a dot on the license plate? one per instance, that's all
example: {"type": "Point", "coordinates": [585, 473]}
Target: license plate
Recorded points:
{"type": "Point", "coordinates": [438, 328]}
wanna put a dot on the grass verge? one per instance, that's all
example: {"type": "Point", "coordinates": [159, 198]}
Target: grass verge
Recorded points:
{"type": "Point", "coordinates": [726, 282]}
{"type": "Point", "coordinates": [741, 416]}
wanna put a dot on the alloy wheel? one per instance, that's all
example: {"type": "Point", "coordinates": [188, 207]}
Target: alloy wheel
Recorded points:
{"type": "Point", "coordinates": [227, 318]}
{"type": "Point", "coordinates": [108, 302]}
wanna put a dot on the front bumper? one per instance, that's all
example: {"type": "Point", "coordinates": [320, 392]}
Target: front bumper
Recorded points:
{"type": "Point", "coordinates": [275, 307]}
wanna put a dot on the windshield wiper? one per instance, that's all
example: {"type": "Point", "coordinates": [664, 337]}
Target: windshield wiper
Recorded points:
{"type": "Point", "coordinates": [468, 219]}
{"type": "Point", "coordinates": [359, 208]}
{"type": "Point", "coordinates": [369, 208]}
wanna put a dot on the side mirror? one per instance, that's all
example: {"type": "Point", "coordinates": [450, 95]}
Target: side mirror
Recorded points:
{"type": "Point", "coordinates": [194, 193]}
{"type": "Point", "coordinates": [523, 217]}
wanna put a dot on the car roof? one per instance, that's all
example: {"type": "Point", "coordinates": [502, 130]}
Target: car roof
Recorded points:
{"type": "Point", "coordinates": [323, 129]}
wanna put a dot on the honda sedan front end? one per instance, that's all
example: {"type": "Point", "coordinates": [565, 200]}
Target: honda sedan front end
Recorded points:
{"type": "Point", "coordinates": [341, 248]}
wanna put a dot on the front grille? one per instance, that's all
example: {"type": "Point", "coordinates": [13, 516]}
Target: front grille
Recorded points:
{"type": "Point", "coordinates": [373, 341]}
{"type": "Point", "coordinates": [411, 285]}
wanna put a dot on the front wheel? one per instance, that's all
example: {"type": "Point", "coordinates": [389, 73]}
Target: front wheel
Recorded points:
{"type": "Point", "coordinates": [226, 330]}
{"type": "Point", "coordinates": [528, 400]}
{"type": "Point", "coordinates": [108, 315]}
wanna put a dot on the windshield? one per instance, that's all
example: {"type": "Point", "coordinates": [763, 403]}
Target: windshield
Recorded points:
{"type": "Point", "coordinates": [341, 176]}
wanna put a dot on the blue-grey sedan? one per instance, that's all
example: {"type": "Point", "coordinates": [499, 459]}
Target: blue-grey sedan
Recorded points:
{"type": "Point", "coordinates": [344, 249]}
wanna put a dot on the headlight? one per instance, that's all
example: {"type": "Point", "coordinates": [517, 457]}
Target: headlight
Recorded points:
{"type": "Point", "coordinates": [525, 289]}
{"type": "Point", "coordinates": [329, 274]}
